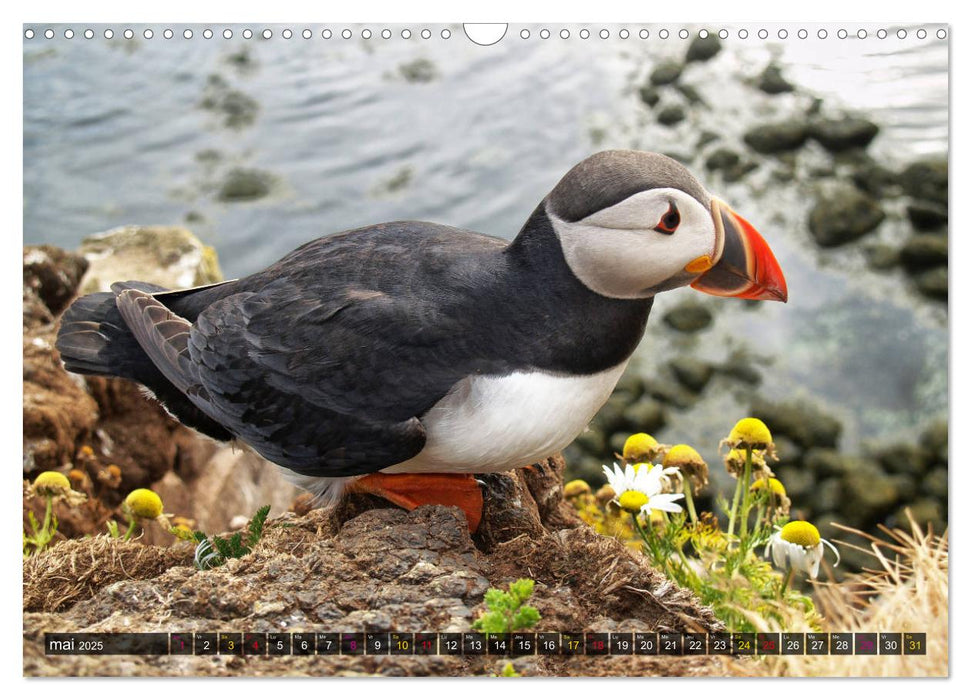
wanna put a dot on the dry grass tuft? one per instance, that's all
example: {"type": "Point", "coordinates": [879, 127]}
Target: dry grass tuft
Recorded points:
{"type": "Point", "coordinates": [906, 592]}
{"type": "Point", "coordinates": [75, 570]}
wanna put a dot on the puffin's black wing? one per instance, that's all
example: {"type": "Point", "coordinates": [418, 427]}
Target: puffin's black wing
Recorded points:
{"type": "Point", "coordinates": [313, 385]}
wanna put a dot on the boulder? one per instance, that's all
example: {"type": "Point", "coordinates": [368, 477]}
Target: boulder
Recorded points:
{"type": "Point", "coordinates": [927, 216]}
{"type": "Point", "coordinates": [842, 215]}
{"type": "Point", "coordinates": [688, 317]}
{"type": "Point", "coordinates": [649, 95]}
{"type": "Point", "coordinates": [923, 251]}
{"type": "Point", "coordinates": [167, 255]}
{"type": "Point", "coordinates": [666, 72]}
{"type": "Point", "coordinates": [777, 137]}
{"type": "Point", "coordinates": [926, 179]}
{"type": "Point", "coordinates": [805, 424]}
{"type": "Point", "coordinates": [245, 185]}
{"type": "Point", "coordinates": [693, 373]}
{"type": "Point", "coordinates": [703, 48]}
{"type": "Point", "coordinates": [772, 82]}
{"type": "Point", "coordinates": [722, 159]}
{"type": "Point", "coordinates": [843, 134]}
{"type": "Point", "coordinates": [671, 115]}
{"type": "Point", "coordinates": [932, 283]}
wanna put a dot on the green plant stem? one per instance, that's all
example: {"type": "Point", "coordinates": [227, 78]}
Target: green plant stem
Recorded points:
{"type": "Point", "coordinates": [747, 477]}
{"type": "Point", "coordinates": [785, 582]}
{"type": "Point", "coordinates": [649, 541]}
{"type": "Point", "coordinates": [48, 513]}
{"type": "Point", "coordinates": [731, 517]}
{"type": "Point", "coordinates": [690, 502]}
{"type": "Point", "coordinates": [130, 531]}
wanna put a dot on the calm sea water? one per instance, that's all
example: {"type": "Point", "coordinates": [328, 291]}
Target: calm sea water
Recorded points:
{"type": "Point", "coordinates": [358, 131]}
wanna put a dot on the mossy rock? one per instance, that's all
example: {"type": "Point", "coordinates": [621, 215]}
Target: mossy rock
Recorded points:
{"type": "Point", "coordinates": [693, 373]}
{"type": "Point", "coordinates": [722, 159]}
{"type": "Point", "coordinates": [933, 283]}
{"type": "Point", "coordinates": [771, 81]}
{"type": "Point", "coordinates": [666, 73]}
{"type": "Point", "coordinates": [646, 416]}
{"type": "Point", "coordinates": [649, 95]}
{"type": "Point", "coordinates": [924, 251]}
{"type": "Point", "coordinates": [805, 424]}
{"type": "Point", "coordinates": [824, 461]}
{"type": "Point", "coordinates": [934, 438]}
{"type": "Point", "coordinates": [903, 458]}
{"type": "Point", "coordinates": [777, 137]}
{"type": "Point", "coordinates": [170, 256]}
{"type": "Point", "coordinates": [244, 185]}
{"type": "Point", "coordinates": [926, 179]}
{"type": "Point", "coordinates": [927, 216]}
{"type": "Point", "coordinates": [843, 215]}
{"type": "Point", "coordinates": [703, 48]}
{"type": "Point", "coordinates": [843, 134]}
{"type": "Point", "coordinates": [934, 484]}
{"type": "Point", "coordinates": [870, 494]}
{"type": "Point", "coordinates": [688, 317]}
{"type": "Point", "coordinates": [671, 115]}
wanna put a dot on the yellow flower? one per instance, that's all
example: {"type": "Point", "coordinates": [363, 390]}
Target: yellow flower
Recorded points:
{"type": "Point", "coordinates": [750, 433]}
{"type": "Point", "coordinates": [774, 486]}
{"type": "Point", "coordinates": [799, 546]}
{"type": "Point", "coordinates": [687, 460]}
{"type": "Point", "coordinates": [577, 487]}
{"type": "Point", "coordinates": [632, 501]}
{"type": "Point", "coordinates": [144, 503]}
{"type": "Point", "coordinates": [641, 447]}
{"type": "Point", "coordinates": [51, 484]}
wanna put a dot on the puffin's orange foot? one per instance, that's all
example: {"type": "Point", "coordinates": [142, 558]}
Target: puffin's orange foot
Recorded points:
{"type": "Point", "coordinates": [413, 490]}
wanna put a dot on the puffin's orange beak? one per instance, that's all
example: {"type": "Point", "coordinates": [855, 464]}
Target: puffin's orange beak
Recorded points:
{"type": "Point", "coordinates": [746, 267]}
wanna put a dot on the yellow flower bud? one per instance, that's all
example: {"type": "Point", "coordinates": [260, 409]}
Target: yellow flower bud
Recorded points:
{"type": "Point", "coordinates": [144, 503]}
{"type": "Point", "coordinates": [52, 484]}
{"type": "Point", "coordinates": [774, 485]}
{"type": "Point", "coordinates": [640, 447]}
{"type": "Point", "coordinates": [577, 487]}
{"type": "Point", "coordinates": [750, 432]}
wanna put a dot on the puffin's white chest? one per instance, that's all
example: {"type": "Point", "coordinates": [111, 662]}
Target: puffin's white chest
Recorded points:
{"type": "Point", "coordinates": [488, 424]}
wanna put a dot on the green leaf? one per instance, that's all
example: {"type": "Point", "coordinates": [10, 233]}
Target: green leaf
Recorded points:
{"type": "Point", "coordinates": [256, 527]}
{"type": "Point", "coordinates": [526, 617]}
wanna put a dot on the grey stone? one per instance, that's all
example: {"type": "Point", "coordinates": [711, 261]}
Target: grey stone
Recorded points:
{"type": "Point", "coordinates": [927, 216]}
{"type": "Point", "coordinates": [646, 416]}
{"type": "Point", "coordinates": [703, 49]}
{"type": "Point", "coordinates": [804, 424]}
{"type": "Point", "coordinates": [666, 73]}
{"type": "Point", "coordinates": [245, 184]}
{"type": "Point", "coordinates": [691, 372]}
{"type": "Point", "coordinates": [843, 134]}
{"type": "Point", "coordinates": [722, 159]}
{"type": "Point", "coordinates": [772, 82]}
{"type": "Point", "coordinates": [649, 95]}
{"type": "Point", "coordinates": [926, 179]}
{"type": "Point", "coordinates": [923, 251]}
{"type": "Point", "coordinates": [777, 137]}
{"type": "Point", "coordinates": [935, 484]}
{"type": "Point", "coordinates": [933, 283]}
{"type": "Point", "coordinates": [671, 115]}
{"type": "Point", "coordinates": [688, 317]}
{"type": "Point", "coordinates": [902, 458]}
{"type": "Point", "coordinates": [934, 438]}
{"type": "Point", "coordinates": [843, 215]}
{"type": "Point", "coordinates": [882, 256]}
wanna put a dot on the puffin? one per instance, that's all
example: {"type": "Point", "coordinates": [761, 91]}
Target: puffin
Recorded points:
{"type": "Point", "coordinates": [401, 359]}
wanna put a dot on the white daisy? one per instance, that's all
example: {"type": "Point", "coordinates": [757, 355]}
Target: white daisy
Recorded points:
{"type": "Point", "coordinates": [637, 488]}
{"type": "Point", "coordinates": [798, 546]}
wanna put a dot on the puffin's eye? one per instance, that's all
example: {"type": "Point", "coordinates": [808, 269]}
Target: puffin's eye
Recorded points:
{"type": "Point", "coordinates": [670, 221]}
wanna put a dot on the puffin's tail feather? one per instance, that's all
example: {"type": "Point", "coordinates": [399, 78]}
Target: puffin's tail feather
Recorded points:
{"type": "Point", "coordinates": [94, 338]}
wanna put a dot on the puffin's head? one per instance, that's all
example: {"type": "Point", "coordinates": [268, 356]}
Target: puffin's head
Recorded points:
{"type": "Point", "coordinates": [632, 224]}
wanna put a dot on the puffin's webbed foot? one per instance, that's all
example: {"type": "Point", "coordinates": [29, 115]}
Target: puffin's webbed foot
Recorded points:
{"type": "Point", "coordinates": [412, 490]}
